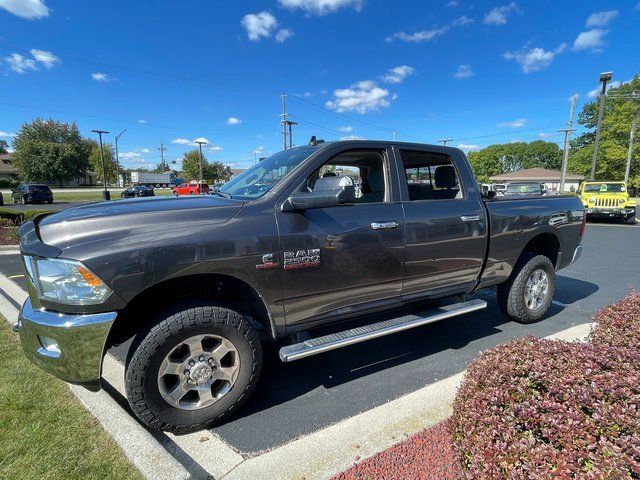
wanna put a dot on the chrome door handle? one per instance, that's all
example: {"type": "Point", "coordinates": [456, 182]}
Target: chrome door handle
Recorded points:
{"type": "Point", "coordinates": [470, 218]}
{"type": "Point", "coordinates": [384, 225]}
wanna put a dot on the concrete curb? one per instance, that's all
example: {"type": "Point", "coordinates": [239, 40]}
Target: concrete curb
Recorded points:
{"type": "Point", "coordinates": [4, 248]}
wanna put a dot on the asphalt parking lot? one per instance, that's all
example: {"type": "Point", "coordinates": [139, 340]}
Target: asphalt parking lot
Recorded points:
{"type": "Point", "coordinates": [299, 398]}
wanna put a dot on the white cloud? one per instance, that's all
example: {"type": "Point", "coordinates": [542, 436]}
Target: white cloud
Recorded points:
{"type": "Point", "coordinates": [47, 59]}
{"type": "Point", "coordinates": [6, 134]}
{"type": "Point", "coordinates": [464, 71]}
{"type": "Point", "coordinates": [601, 19]}
{"type": "Point", "coordinates": [500, 15]}
{"type": "Point", "coordinates": [346, 129]}
{"type": "Point", "coordinates": [321, 7]}
{"type": "Point", "coordinates": [233, 121]}
{"type": "Point", "coordinates": [201, 140]}
{"type": "Point", "coordinates": [142, 121]}
{"type": "Point", "coordinates": [259, 25]}
{"type": "Point", "coordinates": [181, 141]}
{"type": "Point", "coordinates": [101, 77]}
{"type": "Point", "coordinates": [259, 150]}
{"type": "Point", "coordinates": [29, 9]}
{"type": "Point", "coordinates": [546, 135]}
{"type": "Point", "coordinates": [19, 63]}
{"type": "Point", "coordinates": [135, 157]}
{"type": "Point", "coordinates": [596, 91]}
{"type": "Point", "coordinates": [430, 34]}
{"type": "Point", "coordinates": [520, 122]}
{"type": "Point", "coordinates": [452, 4]}
{"type": "Point", "coordinates": [351, 137]}
{"type": "Point", "coordinates": [535, 59]}
{"type": "Point", "coordinates": [590, 40]}
{"type": "Point", "coordinates": [144, 150]}
{"type": "Point", "coordinates": [283, 34]}
{"type": "Point", "coordinates": [362, 97]}
{"type": "Point", "coordinates": [467, 147]}
{"type": "Point", "coordinates": [216, 148]}
{"type": "Point", "coordinates": [397, 74]}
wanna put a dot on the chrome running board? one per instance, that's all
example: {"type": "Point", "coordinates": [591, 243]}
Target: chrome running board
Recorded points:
{"type": "Point", "coordinates": [314, 346]}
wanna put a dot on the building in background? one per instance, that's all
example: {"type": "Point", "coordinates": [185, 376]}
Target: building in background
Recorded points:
{"type": "Point", "coordinates": [8, 171]}
{"type": "Point", "coordinates": [551, 178]}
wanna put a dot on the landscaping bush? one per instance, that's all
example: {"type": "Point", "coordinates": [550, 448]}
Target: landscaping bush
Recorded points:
{"type": "Point", "coordinates": [6, 183]}
{"type": "Point", "coordinates": [548, 409]}
{"type": "Point", "coordinates": [18, 217]}
{"type": "Point", "coordinates": [619, 324]}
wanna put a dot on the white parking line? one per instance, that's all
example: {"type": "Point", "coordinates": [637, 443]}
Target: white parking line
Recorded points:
{"type": "Point", "coordinates": [318, 455]}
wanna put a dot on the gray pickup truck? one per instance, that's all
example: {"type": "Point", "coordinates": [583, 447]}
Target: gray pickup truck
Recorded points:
{"type": "Point", "coordinates": [323, 235]}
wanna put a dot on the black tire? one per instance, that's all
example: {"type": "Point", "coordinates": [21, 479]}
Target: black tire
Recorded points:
{"type": "Point", "coordinates": [151, 347]}
{"type": "Point", "coordinates": [511, 294]}
{"type": "Point", "coordinates": [631, 220]}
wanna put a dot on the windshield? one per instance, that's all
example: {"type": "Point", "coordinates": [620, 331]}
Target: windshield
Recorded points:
{"type": "Point", "coordinates": [605, 188]}
{"type": "Point", "coordinates": [262, 177]}
{"type": "Point", "coordinates": [523, 188]}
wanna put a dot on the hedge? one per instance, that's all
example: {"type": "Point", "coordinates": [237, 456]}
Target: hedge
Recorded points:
{"type": "Point", "coordinates": [536, 408]}
{"type": "Point", "coordinates": [18, 217]}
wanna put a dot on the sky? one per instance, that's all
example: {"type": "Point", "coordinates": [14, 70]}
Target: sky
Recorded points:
{"type": "Point", "coordinates": [170, 72]}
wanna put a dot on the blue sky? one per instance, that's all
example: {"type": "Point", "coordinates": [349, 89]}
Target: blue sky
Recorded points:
{"type": "Point", "coordinates": [479, 72]}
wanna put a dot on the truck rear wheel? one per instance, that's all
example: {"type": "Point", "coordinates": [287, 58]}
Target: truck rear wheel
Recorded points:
{"type": "Point", "coordinates": [193, 369]}
{"type": "Point", "coordinates": [528, 293]}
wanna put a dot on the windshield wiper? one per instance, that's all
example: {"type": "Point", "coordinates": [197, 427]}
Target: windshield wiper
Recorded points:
{"type": "Point", "coordinates": [222, 194]}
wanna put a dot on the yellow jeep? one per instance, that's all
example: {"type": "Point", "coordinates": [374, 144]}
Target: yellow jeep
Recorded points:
{"type": "Point", "coordinates": [607, 200]}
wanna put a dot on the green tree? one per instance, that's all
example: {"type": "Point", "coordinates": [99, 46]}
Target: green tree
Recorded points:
{"type": "Point", "coordinates": [95, 162]}
{"type": "Point", "coordinates": [621, 104]}
{"type": "Point", "coordinates": [50, 150]}
{"type": "Point", "coordinates": [510, 157]}
{"type": "Point", "coordinates": [4, 147]}
{"type": "Point", "coordinates": [191, 166]}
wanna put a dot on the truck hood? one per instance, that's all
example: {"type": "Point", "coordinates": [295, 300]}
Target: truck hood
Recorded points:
{"type": "Point", "coordinates": [97, 221]}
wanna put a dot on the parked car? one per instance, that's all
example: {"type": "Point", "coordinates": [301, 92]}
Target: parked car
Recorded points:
{"type": "Point", "coordinates": [137, 191]}
{"type": "Point", "coordinates": [282, 249]}
{"type": "Point", "coordinates": [608, 200]}
{"type": "Point", "coordinates": [191, 189]}
{"type": "Point", "coordinates": [524, 189]}
{"type": "Point", "coordinates": [32, 193]}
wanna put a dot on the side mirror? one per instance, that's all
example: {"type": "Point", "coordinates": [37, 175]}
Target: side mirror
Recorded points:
{"type": "Point", "coordinates": [301, 201]}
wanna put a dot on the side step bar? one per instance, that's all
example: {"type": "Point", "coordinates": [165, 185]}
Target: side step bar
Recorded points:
{"type": "Point", "coordinates": [314, 346]}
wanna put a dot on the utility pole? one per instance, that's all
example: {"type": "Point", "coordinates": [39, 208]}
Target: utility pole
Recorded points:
{"type": "Point", "coordinates": [445, 141]}
{"type": "Point", "coordinates": [200, 181]}
{"type": "Point", "coordinates": [162, 150]}
{"type": "Point", "coordinates": [630, 151]}
{"type": "Point", "coordinates": [567, 136]}
{"type": "Point", "coordinates": [604, 78]}
{"type": "Point", "coordinates": [118, 158]}
{"type": "Point", "coordinates": [284, 121]}
{"type": "Point", "coordinates": [105, 193]}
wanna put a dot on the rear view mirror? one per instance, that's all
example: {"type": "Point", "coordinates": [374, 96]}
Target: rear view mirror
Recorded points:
{"type": "Point", "coordinates": [301, 201]}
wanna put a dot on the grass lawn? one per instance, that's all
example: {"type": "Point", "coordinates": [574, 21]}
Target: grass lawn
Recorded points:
{"type": "Point", "coordinates": [44, 431]}
{"type": "Point", "coordinates": [97, 195]}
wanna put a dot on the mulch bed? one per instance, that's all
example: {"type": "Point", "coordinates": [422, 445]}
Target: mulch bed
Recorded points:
{"type": "Point", "coordinates": [8, 235]}
{"type": "Point", "coordinates": [427, 455]}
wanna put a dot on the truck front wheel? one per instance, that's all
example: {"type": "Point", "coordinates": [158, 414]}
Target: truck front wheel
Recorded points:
{"type": "Point", "coordinates": [192, 369]}
{"type": "Point", "coordinates": [528, 293]}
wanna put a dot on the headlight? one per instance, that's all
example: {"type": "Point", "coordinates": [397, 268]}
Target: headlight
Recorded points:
{"type": "Point", "coordinates": [592, 199]}
{"type": "Point", "coordinates": [65, 281]}
{"type": "Point", "coordinates": [622, 201]}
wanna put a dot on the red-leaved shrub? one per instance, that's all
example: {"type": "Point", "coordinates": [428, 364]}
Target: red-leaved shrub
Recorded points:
{"type": "Point", "coordinates": [548, 409]}
{"type": "Point", "coordinates": [619, 324]}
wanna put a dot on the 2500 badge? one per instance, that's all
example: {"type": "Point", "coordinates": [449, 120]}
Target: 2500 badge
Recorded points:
{"type": "Point", "coordinates": [302, 259]}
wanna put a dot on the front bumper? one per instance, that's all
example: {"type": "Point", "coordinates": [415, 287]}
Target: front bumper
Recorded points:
{"type": "Point", "coordinates": [68, 346]}
{"type": "Point", "coordinates": [609, 212]}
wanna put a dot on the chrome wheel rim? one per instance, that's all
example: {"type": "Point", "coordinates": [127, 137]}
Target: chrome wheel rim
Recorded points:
{"type": "Point", "coordinates": [536, 289]}
{"type": "Point", "coordinates": [198, 372]}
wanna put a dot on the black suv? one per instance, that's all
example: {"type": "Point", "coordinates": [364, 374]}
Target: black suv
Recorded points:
{"type": "Point", "coordinates": [137, 191]}
{"type": "Point", "coordinates": [32, 193]}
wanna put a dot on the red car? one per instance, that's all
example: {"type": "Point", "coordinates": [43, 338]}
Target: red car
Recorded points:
{"type": "Point", "coordinates": [190, 189]}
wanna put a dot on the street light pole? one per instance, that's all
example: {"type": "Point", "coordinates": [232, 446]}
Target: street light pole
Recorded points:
{"type": "Point", "coordinates": [604, 78]}
{"type": "Point", "coordinates": [118, 158]}
{"type": "Point", "coordinates": [634, 123]}
{"type": "Point", "coordinates": [200, 181]}
{"type": "Point", "coordinates": [105, 193]}
{"type": "Point", "coordinates": [445, 141]}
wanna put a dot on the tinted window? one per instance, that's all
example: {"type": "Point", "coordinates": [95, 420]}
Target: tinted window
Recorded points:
{"type": "Point", "coordinates": [430, 176]}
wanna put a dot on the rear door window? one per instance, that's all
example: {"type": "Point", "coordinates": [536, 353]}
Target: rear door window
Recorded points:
{"type": "Point", "coordinates": [430, 176]}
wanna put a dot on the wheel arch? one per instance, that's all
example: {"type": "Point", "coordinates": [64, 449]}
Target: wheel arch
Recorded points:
{"type": "Point", "coordinates": [172, 295]}
{"type": "Point", "coordinates": [545, 243]}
